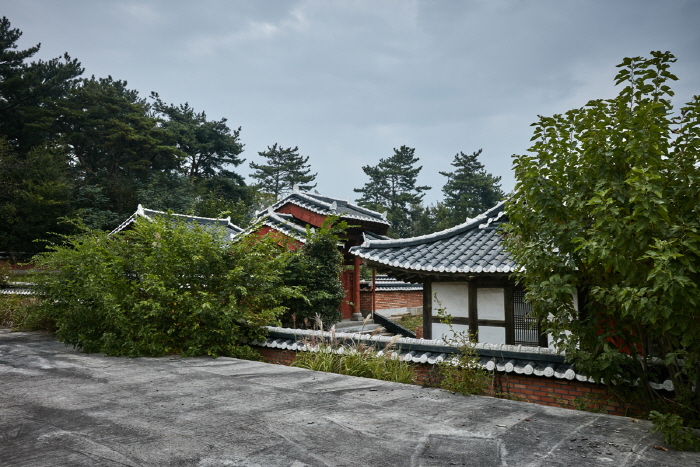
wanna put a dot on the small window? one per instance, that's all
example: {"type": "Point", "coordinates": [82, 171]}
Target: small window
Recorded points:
{"type": "Point", "coordinates": [526, 327]}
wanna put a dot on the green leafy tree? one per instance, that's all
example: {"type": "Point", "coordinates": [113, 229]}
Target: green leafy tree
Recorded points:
{"type": "Point", "coordinates": [469, 190]}
{"type": "Point", "coordinates": [163, 287]}
{"type": "Point", "coordinates": [30, 93]}
{"type": "Point", "coordinates": [606, 204]}
{"type": "Point", "coordinates": [285, 168]}
{"type": "Point", "coordinates": [315, 270]}
{"type": "Point", "coordinates": [392, 187]}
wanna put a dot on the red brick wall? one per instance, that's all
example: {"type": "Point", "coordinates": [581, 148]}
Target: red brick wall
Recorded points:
{"type": "Point", "coordinates": [387, 300]}
{"type": "Point", "coordinates": [527, 388]}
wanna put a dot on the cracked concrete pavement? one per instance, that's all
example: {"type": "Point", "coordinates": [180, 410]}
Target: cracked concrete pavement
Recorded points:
{"type": "Point", "coordinates": [59, 406]}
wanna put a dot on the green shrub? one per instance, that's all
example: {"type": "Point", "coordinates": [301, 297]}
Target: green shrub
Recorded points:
{"type": "Point", "coordinates": [315, 269]}
{"type": "Point", "coordinates": [163, 287]}
{"type": "Point", "coordinates": [674, 433]}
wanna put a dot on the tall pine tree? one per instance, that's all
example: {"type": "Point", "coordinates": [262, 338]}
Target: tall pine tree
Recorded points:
{"type": "Point", "coordinates": [392, 187]}
{"type": "Point", "coordinates": [469, 190]}
{"type": "Point", "coordinates": [30, 93]}
{"type": "Point", "coordinates": [285, 168]}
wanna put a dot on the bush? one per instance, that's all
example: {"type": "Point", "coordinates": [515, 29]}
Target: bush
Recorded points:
{"type": "Point", "coordinates": [315, 269]}
{"type": "Point", "coordinates": [164, 287]}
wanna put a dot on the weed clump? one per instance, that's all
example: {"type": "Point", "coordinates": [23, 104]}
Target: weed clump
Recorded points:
{"type": "Point", "coordinates": [364, 360]}
{"type": "Point", "coordinates": [462, 374]}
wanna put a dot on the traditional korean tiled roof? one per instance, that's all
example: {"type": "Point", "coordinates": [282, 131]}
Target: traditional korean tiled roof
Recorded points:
{"type": "Point", "coordinates": [231, 230]}
{"type": "Point", "coordinates": [473, 247]}
{"type": "Point", "coordinates": [327, 206]}
{"type": "Point", "coordinates": [515, 359]}
{"type": "Point", "coordinates": [284, 223]}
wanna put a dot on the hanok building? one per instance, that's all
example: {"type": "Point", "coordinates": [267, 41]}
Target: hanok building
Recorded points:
{"type": "Point", "coordinates": [231, 230]}
{"type": "Point", "coordinates": [294, 212]}
{"type": "Point", "coordinates": [466, 271]}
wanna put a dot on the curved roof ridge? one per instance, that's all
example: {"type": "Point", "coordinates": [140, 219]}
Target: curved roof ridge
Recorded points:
{"type": "Point", "coordinates": [456, 230]}
{"type": "Point", "coordinates": [346, 201]}
{"type": "Point", "coordinates": [318, 204]}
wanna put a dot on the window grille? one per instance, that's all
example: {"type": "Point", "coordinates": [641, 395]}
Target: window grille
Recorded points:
{"type": "Point", "coordinates": [527, 329]}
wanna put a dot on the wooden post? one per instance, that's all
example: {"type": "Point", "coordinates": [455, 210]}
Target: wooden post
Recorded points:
{"type": "Point", "coordinates": [374, 290]}
{"type": "Point", "coordinates": [473, 312]}
{"type": "Point", "coordinates": [356, 286]}
{"type": "Point", "coordinates": [428, 309]}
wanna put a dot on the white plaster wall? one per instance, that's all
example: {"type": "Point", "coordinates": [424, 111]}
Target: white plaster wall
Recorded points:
{"type": "Point", "coordinates": [453, 297]}
{"type": "Point", "coordinates": [442, 331]}
{"type": "Point", "coordinates": [492, 334]}
{"type": "Point", "coordinates": [491, 303]}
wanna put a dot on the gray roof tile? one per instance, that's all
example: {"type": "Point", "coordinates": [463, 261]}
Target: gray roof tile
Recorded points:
{"type": "Point", "coordinates": [472, 247]}
{"type": "Point", "coordinates": [231, 230]}
{"type": "Point", "coordinates": [327, 206]}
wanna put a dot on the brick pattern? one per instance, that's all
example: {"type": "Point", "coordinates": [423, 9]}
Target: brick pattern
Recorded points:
{"type": "Point", "coordinates": [527, 388]}
{"type": "Point", "coordinates": [393, 299]}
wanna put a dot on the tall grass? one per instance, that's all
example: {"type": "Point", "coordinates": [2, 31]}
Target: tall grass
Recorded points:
{"type": "Point", "coordinates": [360, 360]}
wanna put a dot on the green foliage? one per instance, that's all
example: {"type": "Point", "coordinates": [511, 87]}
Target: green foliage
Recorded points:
{"type": "Point", "coordinates": [163, 287]}
{"type": "Point", "coordinates": [469, 190]}
{"type": "Point", "coordinates": [31, 92]}
{"type": "Point", "coordinates": [463, 374]}
{"type": "Point", "coordinates": [606, 205]}
{"type": "Point", "coordinates": [35, 194]}
{"type": "Point", "coordinates": [392, 187]}
{"type": "Point", "coordinates": [673, 431]}
{"type": "Point", "coordinates": [114, 141]}
{"type": "Point", "coordinates": [209, 145]}
{"type": "Point", "coordinates": [285, 168]}
{"type": "Point", "coordinates": [315, 270]}
{"type": "Point", "coordinates": [354, 360]}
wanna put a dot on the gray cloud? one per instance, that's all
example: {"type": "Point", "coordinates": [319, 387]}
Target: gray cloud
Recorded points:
{"type": "Point", "coordinates": [348, 81]}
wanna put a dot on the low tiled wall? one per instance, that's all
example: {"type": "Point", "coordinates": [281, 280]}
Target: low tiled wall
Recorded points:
{"type": "Point", "coordinates": [527, 388]}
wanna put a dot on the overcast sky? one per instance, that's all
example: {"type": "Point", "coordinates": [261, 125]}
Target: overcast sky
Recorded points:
{"type": "Point", "coordinates": [348, 81]}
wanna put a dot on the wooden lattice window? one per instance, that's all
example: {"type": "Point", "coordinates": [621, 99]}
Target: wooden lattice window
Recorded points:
{"type": "Point", "coordinates": [526, 327]}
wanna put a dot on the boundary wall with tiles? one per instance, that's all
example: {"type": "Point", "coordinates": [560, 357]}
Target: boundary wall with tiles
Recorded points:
{"type": "Point", "coordinates": [560, 387]}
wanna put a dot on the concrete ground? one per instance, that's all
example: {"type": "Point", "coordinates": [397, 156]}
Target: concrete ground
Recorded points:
{"type": "Point", "coordinates": [59, 407]}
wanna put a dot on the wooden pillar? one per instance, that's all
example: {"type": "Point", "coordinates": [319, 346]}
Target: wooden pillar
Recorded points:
{"type": "Point", "coordinates": [356, 285]}
{"type": "Point", "coordinates": [428, 309]}
{"type": "Point", "coordinates": [473, 312]}
{"type": "Point", "coordinates": [374, 291]}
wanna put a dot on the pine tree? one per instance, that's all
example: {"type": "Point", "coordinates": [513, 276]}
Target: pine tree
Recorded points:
{"type": "Point", "coordinates": [209, 145]}
{"type": "Point", "coordinates": [284, 169]}
{"type": "Point", "coordinates": [469, 190]}
{"type": "Point", "coordinates": [392, 187]}
{"type": "Point", "coordinates": [30, 93]}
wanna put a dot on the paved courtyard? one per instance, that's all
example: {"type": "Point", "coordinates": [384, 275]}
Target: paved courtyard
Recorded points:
{"type": "Point", "coordinates": [60, 407]}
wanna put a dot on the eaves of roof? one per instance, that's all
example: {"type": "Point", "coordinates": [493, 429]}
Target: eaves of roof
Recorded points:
{"type": "Point", "coordinates": [473, 247]}
{"type": "Point", "coordinates": [231, 229]}
{"type": "Point", "coordinates": [328, 206]}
